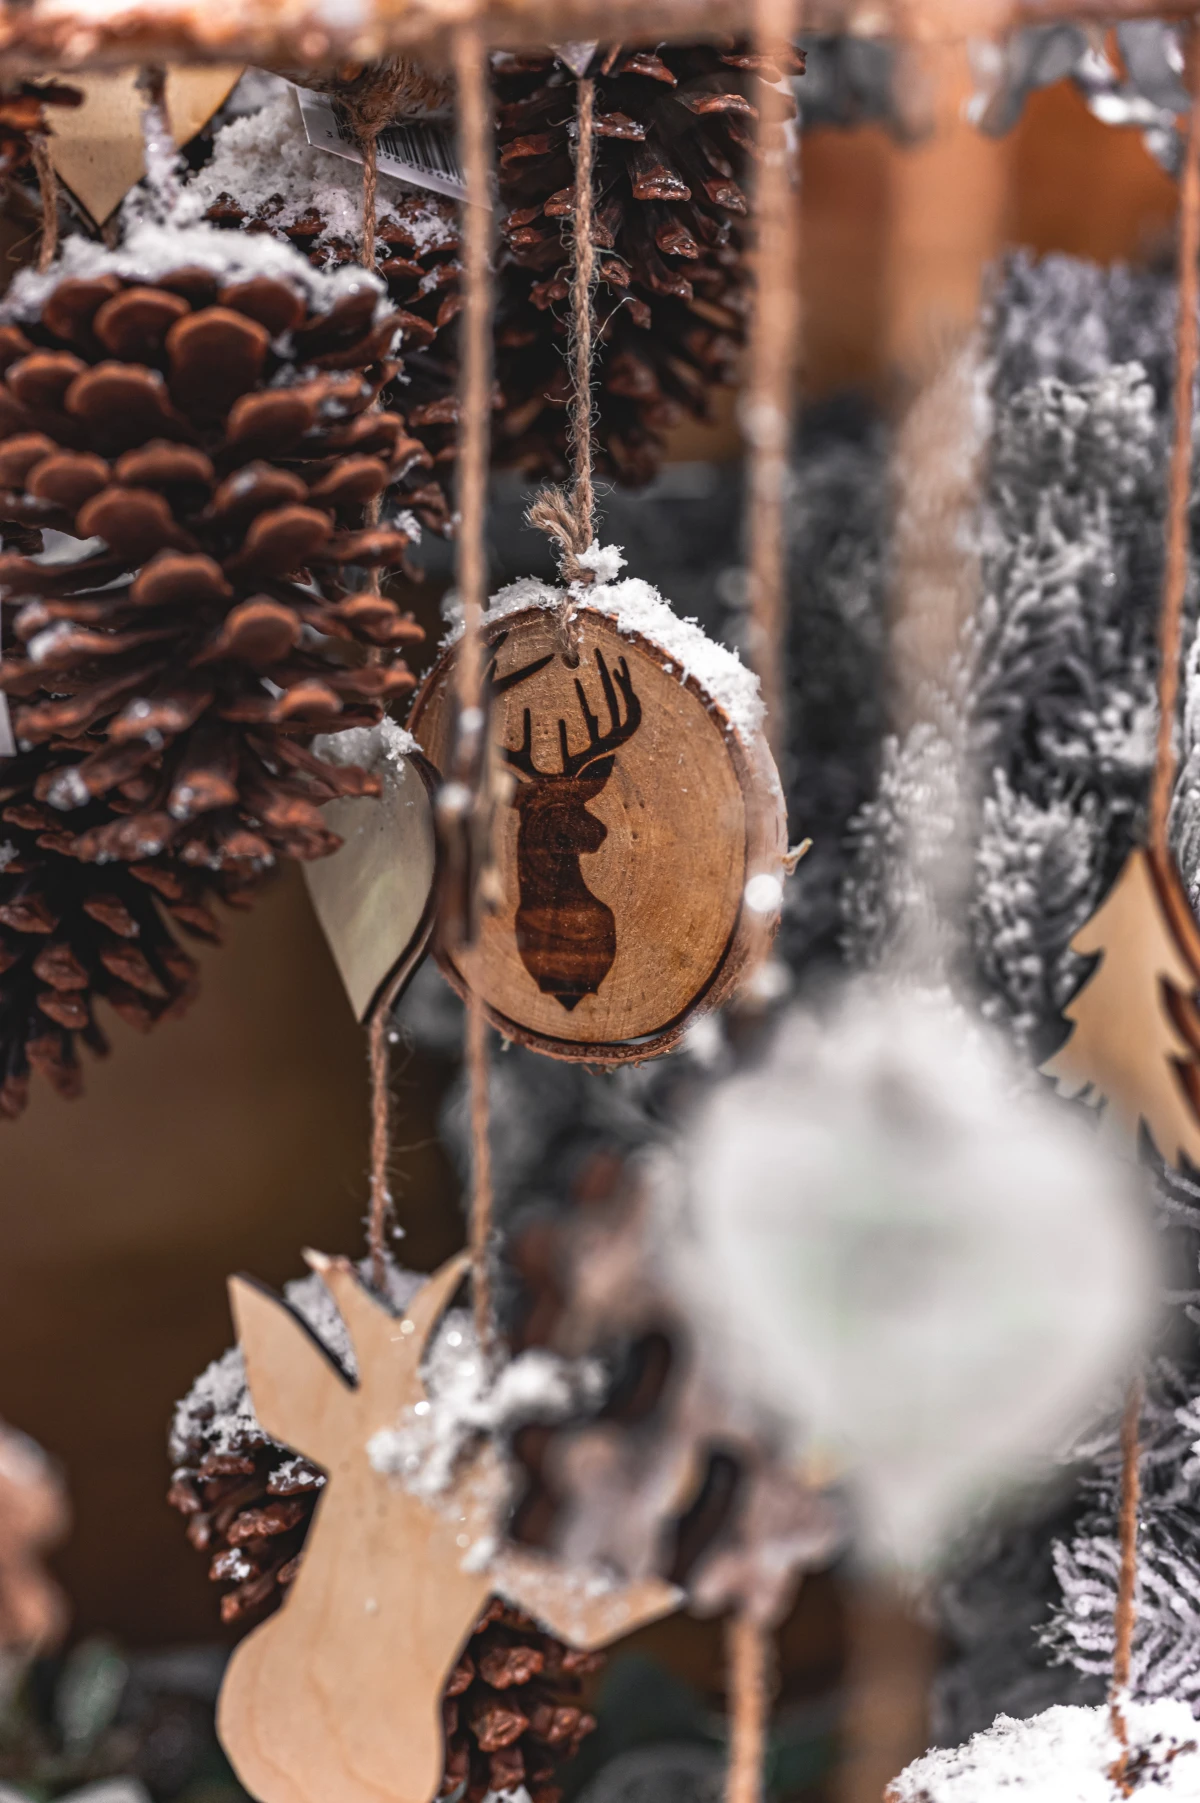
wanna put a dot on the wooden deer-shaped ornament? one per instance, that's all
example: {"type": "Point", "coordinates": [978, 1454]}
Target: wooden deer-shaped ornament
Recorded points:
{"type": "Point", "coordinates": [337, 1697]}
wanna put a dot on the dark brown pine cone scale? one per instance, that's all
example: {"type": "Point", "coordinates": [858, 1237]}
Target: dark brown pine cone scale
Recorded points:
{"type": "Point", "coordinates": [511, 1711]}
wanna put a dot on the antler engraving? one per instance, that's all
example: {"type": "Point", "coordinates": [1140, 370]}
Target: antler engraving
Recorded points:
{"type": "Point", "coordinates": [338, 1694]}
{"type": "Point", "coordinates": [566, 935]}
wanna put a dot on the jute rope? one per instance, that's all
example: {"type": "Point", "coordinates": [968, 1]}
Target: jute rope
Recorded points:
{"type": "Point", "coordinates": [474, 411]}
{"type": "Point", "coordinates": [1170, 638]}
{"type": "Point", "coordinates": [749, 1659]}
{"type": "Point", "coordinates": [369, 108]}
{"type": "Point", "coordinates": [1170, 628]}
{"type": "Point", "coordinates": [774, 329]}
{"type": "Point", "coordinates": [48, 189]}
{"type": "Point", "coordinates": [1126, 1610]}
{"type": "Point", "coordinates": [767, 416]}
{"type": "Point", "coordinates": [570, 519]}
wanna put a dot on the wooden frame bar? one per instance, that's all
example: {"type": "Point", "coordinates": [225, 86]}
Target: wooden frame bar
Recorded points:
{"type": "Point", "coordinates": [74, 34]}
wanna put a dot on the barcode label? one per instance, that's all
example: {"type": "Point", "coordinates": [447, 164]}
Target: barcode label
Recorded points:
{"type": "Point", "coordinates": [422, 152]}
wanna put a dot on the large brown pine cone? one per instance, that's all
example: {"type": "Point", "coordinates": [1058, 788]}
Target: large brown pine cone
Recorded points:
{"type": "Point", "coordinates": [674, 140]}
{"type": "Point", "coordinates": [206, 429]}
{"type": "Point", "coordinates": [74, 933]}
{"type": "Point", "coordinates": [264, 176]}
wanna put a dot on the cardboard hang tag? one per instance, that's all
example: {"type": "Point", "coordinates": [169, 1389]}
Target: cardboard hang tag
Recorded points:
{"type": "Point", "coordinates": [96, 148]}
{"type": "Point", "coordinates": [374, 898]}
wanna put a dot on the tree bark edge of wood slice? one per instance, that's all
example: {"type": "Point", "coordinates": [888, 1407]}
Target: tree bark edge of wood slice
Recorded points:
{"type": "Point", "coordinates": [605, 959]}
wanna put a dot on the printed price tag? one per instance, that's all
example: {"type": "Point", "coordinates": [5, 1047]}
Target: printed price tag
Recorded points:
{"type": "Point", "coordinates": [422, 152]}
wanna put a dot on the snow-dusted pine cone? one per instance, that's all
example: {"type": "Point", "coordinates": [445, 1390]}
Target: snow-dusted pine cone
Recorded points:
{"type": "Point", "coordinates": [264, 176]}
{"type": "Point", "coordinates": [511, 1711]}
{"type": "Point", "coordinates": [675, 137]}
{"type": "Point", "coordinates": [73, 933]}
{"type": "Point", "coordinates": [198, 423]}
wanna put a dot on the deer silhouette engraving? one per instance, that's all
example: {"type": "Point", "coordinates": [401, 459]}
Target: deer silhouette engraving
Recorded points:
{"type": "Point", "coordinates": [337, 1697]}
{"type": "Point", "coordinates": [567, 937]}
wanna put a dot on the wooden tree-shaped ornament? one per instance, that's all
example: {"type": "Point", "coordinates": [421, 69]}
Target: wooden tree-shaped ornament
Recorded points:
{"type": "Point", "coordinates": [1134, 1045]}
{"type": "Point", "coordinates": [338, 1695]}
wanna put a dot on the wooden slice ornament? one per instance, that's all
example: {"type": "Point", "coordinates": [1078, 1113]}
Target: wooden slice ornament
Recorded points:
{"type": "Point", "coordinates": [1134, 1044]}
{"type": "Point", "coordinates": [338, 1695]}
{"type": "Point", "coordinates": [641, 853]}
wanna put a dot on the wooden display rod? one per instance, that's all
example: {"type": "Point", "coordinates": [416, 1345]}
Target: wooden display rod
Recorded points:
{"type": "Point", "coordinates": [62, 34]}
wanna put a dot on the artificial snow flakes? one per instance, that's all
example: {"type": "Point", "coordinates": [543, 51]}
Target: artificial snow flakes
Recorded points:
{"type": "Point", "coordinates": [1062, 1756]}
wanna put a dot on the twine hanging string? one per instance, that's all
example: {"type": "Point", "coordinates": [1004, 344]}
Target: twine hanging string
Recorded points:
{"type": "Point", "coordinates": [39, 151]}
{"type": "Point", "coordinates": [750, 1682]}
{"type": "Point", "coordinates": [767, 416]}
{"type": "Point", "coordinates": [1170, 629]}
{"type": "Point", "coordinates": [1126, 1610]}
{"type": "Point", "coordinates": [1170, 639]}
{"type": "Point", "coordinates": [474, 410]}
{"type": "Point", "coordinates": [774, 329]}
{"type": "Point", "coordinates": [570, 519]}
{"type": "Point", "coordinates": [381, 1143]}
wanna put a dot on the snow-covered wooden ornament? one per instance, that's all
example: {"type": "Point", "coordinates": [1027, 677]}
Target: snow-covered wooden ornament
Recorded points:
{"type": "Point", "coordinates": [338, 1695]}
{"type": "Point", "coordinates": [374, 896]}
{"type": "Point", "coordinates": [98, 149]}
{"type": "Point", "coordinates": [641, 853]}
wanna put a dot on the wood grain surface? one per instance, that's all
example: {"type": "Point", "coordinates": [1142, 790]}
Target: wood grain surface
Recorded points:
{"type": "Point", "coordinates": [635, 820]}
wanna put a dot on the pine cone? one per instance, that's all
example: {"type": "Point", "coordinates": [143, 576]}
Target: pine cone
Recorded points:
{"type": "Point", "coordinates": [318, 208]}
{"type": "Point", "coordinates": [204, 423]}
{"type": "Point", "coordinates": [71, 933]}
{"type": "Point", "coordinates": [674, 138]}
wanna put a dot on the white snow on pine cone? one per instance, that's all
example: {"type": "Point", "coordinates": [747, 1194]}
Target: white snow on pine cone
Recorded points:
{"type": "Point", "coordinates": [150, 250]}
{"type": "Point", "coordinates": [635, 606]}
{"type": "Point", "coordinates": [1062, 1756]}
{"type": "Point", "coordinates": [265, 163]}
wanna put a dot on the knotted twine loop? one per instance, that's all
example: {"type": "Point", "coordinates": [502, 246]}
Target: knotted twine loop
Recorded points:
{"type": "Point", "coordinates": [570, 520]}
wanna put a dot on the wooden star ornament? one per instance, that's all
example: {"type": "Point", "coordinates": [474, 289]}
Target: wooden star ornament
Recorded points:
{"type": "Point", "coordinates": [338, 1695]}
{"type": "Point", "coordinates": [1135, 1024]}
